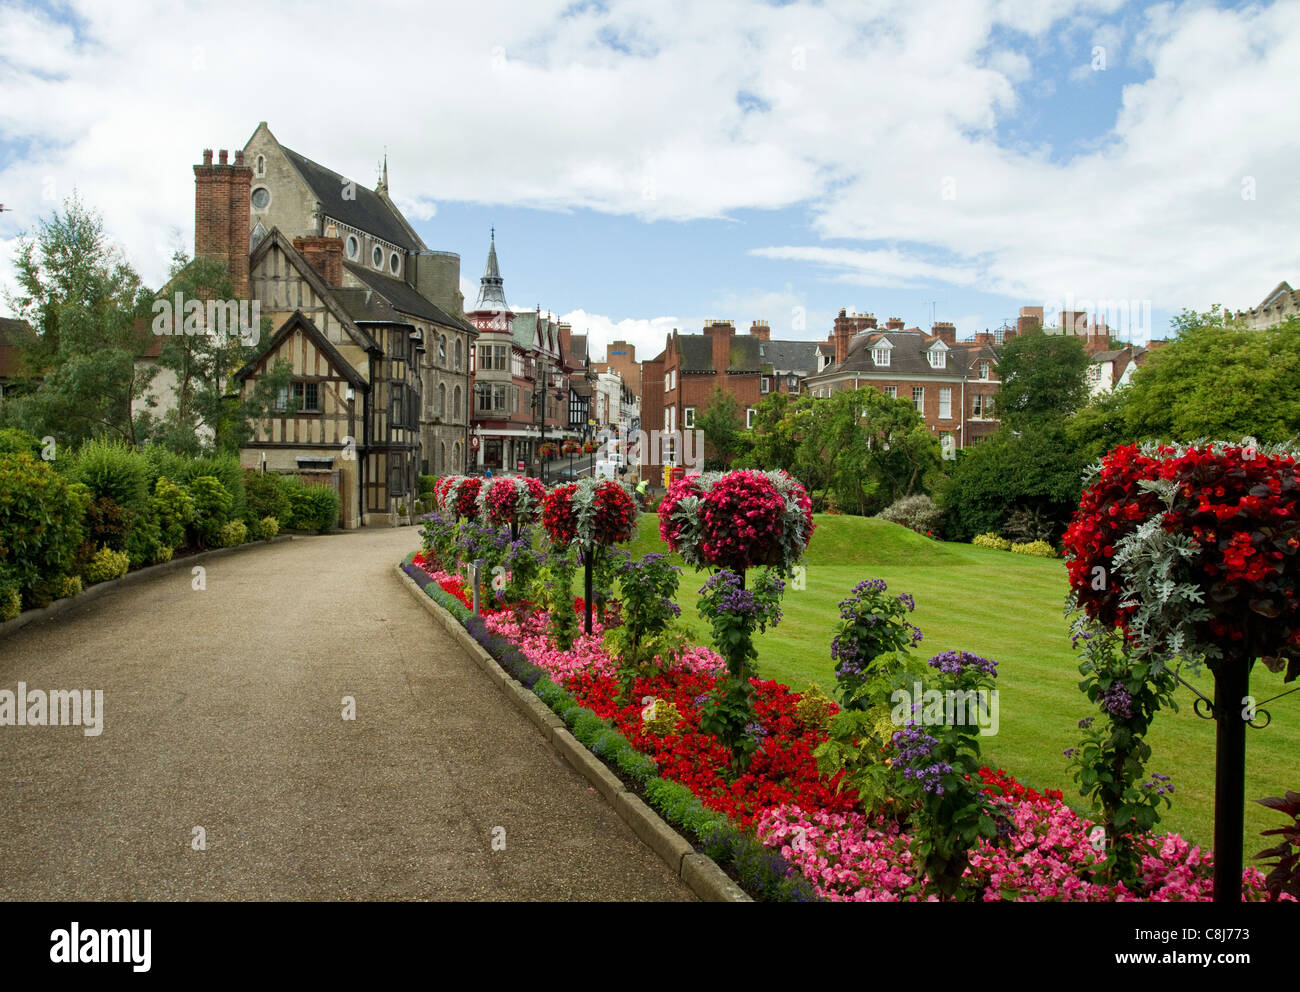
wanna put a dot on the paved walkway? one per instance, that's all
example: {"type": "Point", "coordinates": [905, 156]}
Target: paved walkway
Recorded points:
{"type": "Point", "coordinates": [222, 710]}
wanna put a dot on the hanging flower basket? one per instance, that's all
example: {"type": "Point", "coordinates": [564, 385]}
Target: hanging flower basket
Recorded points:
{"type": "Point", "coordinates": [547, 450]}
{"type": "Point", "coordinates": [1193, 550]}
{"type": "Point", "coordinates": [737, 520]}
{"type": "Point", "coordinates": [589, 447]}
{"type": "Point", "coordinates": [570, 447]}
{"type": "Point", "coordinates": [509, 500]}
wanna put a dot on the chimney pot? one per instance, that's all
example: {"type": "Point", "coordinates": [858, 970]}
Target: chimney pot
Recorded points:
{"type": "Point", "coordinates": [207, 156]}
{"type": "Point", "coordinates": [239, 157]}
{"type": "Point", "coordinates": [222, 157]}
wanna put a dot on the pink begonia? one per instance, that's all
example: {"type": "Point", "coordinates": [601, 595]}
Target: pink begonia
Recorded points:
{"type": "Point", "coordinates": [854, 858]}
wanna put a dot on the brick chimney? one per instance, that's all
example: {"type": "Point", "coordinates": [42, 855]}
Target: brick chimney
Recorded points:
{"type": "Point", "coordinates": [1074, 322]}
{"type": "Point", "coordinates": [894, 324]}
{"type": "Point", "coordinates": [945, 330]}
{"type": "Point", "coordinates": [325, 255]}
{"type": "Point", "coordinates": [985, 337]}
{"type": "Point", "coordinates": [1029, 317]}
{"type": "Point", "coordinates": [221, 212]}
{"type": "Point", "coordinates": [761, 330]}
{"type": "Point", "coordinates": [720, 331]}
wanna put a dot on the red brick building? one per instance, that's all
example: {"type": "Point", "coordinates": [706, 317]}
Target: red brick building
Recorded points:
{"type": "Point", "coordinates": [951, 383]}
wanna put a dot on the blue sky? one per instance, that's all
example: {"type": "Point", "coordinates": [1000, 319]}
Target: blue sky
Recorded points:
{"type": "Point", "coordinates": [649, 165]}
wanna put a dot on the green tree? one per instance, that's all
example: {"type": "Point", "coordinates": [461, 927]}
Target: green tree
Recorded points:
{"type": "Point", "coordinates": [722, 425]}
{"type": "Point", "coordinates": [1218, 379]}
{"type": "Point", "coordinates": [83, 299]}
{"type": "Point", "coordinates": [208, 413]}
{"type": "Point", "coordinates": [1043, 376]}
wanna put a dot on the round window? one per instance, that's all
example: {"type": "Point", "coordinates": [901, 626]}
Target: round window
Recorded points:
{"type": "Point", "coordinates": [261, 198]}
{"type": "Point", "coordinates": [394, 263]}
{"type": "Point", "coordinates": [354, 247]}
{"type": "Point", "coordinates": [377, 256]}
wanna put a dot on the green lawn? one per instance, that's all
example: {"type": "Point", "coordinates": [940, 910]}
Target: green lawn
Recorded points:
{"type": "Point", "coordinates": [1010, 608]}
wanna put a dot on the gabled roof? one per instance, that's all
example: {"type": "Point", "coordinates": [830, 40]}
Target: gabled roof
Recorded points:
{"type": "Point", "coordinates": [578, 348]}
{"type": "Point", "coordinates": [298, 321]}
{"type": "Point", "coordinates": [369, 212]}
{"type": "Point", "coordinates": [909, 354]}
{"type": "Point", "coordinates": [405, 298]}
{"type": "Point", "coordinates": [324, 290]}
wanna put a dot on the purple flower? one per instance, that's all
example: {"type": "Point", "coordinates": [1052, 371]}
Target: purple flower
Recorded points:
{"type": "Point", "coordinates": [957, 662]}
{"type": "Point", "coordinates": [1117, 702]}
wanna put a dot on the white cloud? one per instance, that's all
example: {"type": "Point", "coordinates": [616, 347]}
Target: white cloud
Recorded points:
{"type": "Point", "coordinates": [648, 334]}
{"type": "Point", "coordinates": [636, 110]}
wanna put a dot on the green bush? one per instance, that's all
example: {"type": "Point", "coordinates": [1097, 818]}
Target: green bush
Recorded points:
{"type": "Point", "coordinates": [225, 468]}
{"type": "Point", "coordinates": [13, 440]}
{"type": "Point", "coordinates": [311, 507]}
{"type": "Point", "coordinates": [118, 477]}
{"type": "Point", "coordinates": [424, 483]}
{"type": "Point", "coordinates": [233, 534]}
{"type": "Point", "coordinates": [11, 595]}
{"type": "Point", "coordinates": [1035, 549]}
{"type": "Point", "coordinates": [267, 528]}
{"type": "Point", "coordinates": [162, 554]}
{"type": "Point", "coordinates": [174, 509]}
{"type": "Point", "coordinates": [814, 707]}
{"type": "Point", "coordinates": [265, 496]}
{"type": "Point", "coordinates": [991, 540]}
{"type": "Point", "coordinates": [213, 507]}
{"type": "Point", "coordinates": [106, 565]}
{"type": "Point", "coordinates": [916, 513]}
{"type": "Point", "coordinates": [67, 586]}
{"type": "Point", "coordinates": [41, 521]}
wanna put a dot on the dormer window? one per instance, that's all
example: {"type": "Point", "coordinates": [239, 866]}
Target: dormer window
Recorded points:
{"type": "Point", "coordinates": [984, 370]}
{"type": "Point", "coordinates": [880, 356]}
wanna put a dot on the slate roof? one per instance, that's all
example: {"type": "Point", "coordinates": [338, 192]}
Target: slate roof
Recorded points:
{"type": "Point", "coordinates": [404, 298]}
{"type": "Point", "coordinates": [697, 353]}
{"type": "Point", "coordinates": [1105, 356]}
{"type": "Point", "coordinates": [368, 212]}
{"type": "Point", "coordinates": [789, 356]}
{"type": "Point", "coordinates": [578, 348]}
{"type": "Point", "coordinates": [909, 355]}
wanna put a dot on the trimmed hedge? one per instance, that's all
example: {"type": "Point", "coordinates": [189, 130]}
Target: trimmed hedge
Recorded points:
{"type": "Point", "coordinates": [1035, 549]}
{"type": "Point", "coordinates": [991, 540]}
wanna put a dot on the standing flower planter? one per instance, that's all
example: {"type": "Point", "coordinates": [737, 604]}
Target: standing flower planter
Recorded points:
{"type": "Point", "coordinates": [732, 523]}
{"type": "Point", "coordinates": [1192, 553]}
{"type": "Point", "coordinates": [594, 514]}
{"type": "Point", "coordinates": [510, 501]}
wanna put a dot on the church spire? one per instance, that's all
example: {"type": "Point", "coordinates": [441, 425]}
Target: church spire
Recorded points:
{"type": "Point", "coordinates": [491, 293]}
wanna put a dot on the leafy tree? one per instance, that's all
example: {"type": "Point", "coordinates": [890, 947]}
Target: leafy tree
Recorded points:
{"type": "Point", "coordinates": [1043, 376]}
{"type": "Point", "coordinates": [1100, 426]}
{"type": "Point", "coordinates": [82, 298]}
{"type": "Point", "coordinates": [722, 425]}
{"type": "Point", "coordinates": [207, 414]}
{"type": "Point", "coordinates": [1035, 471]}
{"type": "Point", "coordinates": [1218, 379]}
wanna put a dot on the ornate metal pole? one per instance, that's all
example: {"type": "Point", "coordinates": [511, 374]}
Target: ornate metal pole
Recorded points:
{"type": "Point", "coordinates": [1231, 687]}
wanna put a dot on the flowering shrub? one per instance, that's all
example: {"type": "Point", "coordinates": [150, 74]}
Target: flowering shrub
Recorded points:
{"type": "Point", "coordinates": [1109, 763]}
{"type": "Point", "coordinates": [916, 513]}
{"type": "Point", "coordinates": [1193, 551]}
{"type": "Point", "coordinates": [991, 541]}
{"type": "Point", "coordinates": [647, 590]}
{"type": "Point", "coordinates": [738, 520]}
{"type": "Point", "coordinates": [467, 491]}
{"type": "Point", "coordinates": [604, 512]}
{"type": "Point", "coordinates": [871, 625]}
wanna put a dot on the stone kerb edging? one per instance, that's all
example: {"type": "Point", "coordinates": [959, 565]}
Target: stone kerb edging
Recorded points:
{"type": "Point", "coordinates": [94, 592]}
{"type": "Point", "coordinates": [699, 872]}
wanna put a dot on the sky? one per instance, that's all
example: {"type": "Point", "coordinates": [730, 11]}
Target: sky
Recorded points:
{"type": "Point", "coordinates": [648, 165]}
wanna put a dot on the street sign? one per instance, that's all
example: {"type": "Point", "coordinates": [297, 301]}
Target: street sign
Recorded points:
{"type": "Point", "coordinates": [519, 465]}
{"type": "Point", "coordinates": [473, 441]}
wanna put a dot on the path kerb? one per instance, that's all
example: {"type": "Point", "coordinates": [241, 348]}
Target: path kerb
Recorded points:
{"type": "Point", "coordinates": [699, 872]}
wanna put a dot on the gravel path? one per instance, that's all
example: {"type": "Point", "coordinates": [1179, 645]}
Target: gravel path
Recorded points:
{"type": "Point", "coordinates": [223, 710]}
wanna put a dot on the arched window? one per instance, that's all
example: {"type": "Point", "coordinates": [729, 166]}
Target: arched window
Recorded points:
{"type": "Point", "coordinates": [458, 355]}
{"type": "Point", "coordinates": [442, 458]}
{"type": "Point", "coordinates": [442, 400]}
{"type": "Point", "coordinates": [442, 349]}
{"type": "Point", "coordinates": [457, 464]}
{"type": "Point", "coordinates": [455, 404]}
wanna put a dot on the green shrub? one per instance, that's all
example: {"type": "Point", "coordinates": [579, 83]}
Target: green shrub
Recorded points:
{"type": "Point", "coordinates": [225, 468]}
{"type": "Point", "coordinates": [67, 586]}
{"type": "Point", "coordinates": [265, 496]}
{"type": "Point", "coordinates": [233, 534]}
{"type": "Point", "coordinates": [174, 509]}
{"type": "Point", "coordinates": [41, 520]}
{"type": "Point", "coordinates": [267, 528]}
{"type": "Point", "coordinates": [991, 540]}
{"type": "Point", "coordinates": [106, 565]}
{"type": "Point", "coordinates": [664, 719]}
{"type": "Point", "coordinates": [917, 513]}
{"type": "Point", "coordinates": [11, 594]}
{"type": "Point", "coordinates": [13, 440]}
{"type": "Point", "coordinates": [311, 507]}
{"type": "Point", "coordinates": [212, 510]}
{"type": "Point", "coordinates": [118, 477]}
{"type": "Point", "coordinates": [162, 554]}
{"type": "Point", "coordinates": [814, 708]}
{"type": "Point", "coordinates": [424, 483]}
{"type": "Point", "coordinates": [1035, 549]}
